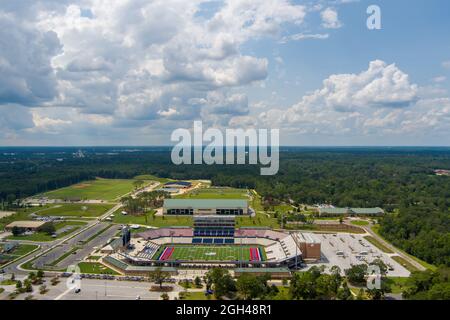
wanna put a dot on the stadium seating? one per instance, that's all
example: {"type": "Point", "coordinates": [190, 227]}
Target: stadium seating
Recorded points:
{"type": "Point", "coordinates": [148, 251]}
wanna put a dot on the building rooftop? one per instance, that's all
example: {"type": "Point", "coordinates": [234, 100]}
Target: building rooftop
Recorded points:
{"type": "Point", "coordinates": [265, 270]}
{"type": "Point", "coordinates": [204, 203]}
{"type": "Point", "coordinates": [26, 224]}
{"type": "Point", "coordinates": [351, 210]}
{"type": "Point", "coordinates": [181, 183]}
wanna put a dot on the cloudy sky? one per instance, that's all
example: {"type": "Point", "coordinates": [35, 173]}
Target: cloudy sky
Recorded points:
{"type": "Point", "coordinates": [129, 72]}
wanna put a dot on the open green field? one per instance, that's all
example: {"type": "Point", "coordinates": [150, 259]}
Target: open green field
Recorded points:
{"type": "Point", "coordinates": [99, 189]}
{"type": "Point", "coordinates": [215, 193]}
{"type": "Point", "coordinates": [23, 249]}
{"type": "Point", "coordinates": [41, 236]}
{"type": "Point", "coordinates": [149, 219]}
{"type": "Point", "coordinates": [19, 251]}
{"type": "Point", "coordinates": [76, 210]}
{"type": "Point", "coordinates": [360, 223]}
{"type": "Point", "coordinates": [210, 252]}
{"type": "Point", "coordinates": [148, 177]}
{"type": "Point", "coordinates": [398, 285]}
{"type": "Point", "coordinates": [95, 268]}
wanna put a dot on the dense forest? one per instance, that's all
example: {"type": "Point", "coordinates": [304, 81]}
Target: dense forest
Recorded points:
{"type": "Point", "coordinates": [400, 180]}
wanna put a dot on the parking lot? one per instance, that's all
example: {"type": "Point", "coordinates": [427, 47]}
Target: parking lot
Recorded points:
{"type": "Point", "coordinates": [84, 248]}
{"type": "Point", "coordinates": [344, 250]}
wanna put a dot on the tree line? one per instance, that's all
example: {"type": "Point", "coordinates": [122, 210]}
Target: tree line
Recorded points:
{"type": "Point", "coordinates": [399, 180]}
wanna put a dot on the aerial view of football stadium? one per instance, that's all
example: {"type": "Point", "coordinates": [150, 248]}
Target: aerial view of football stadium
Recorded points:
{"type": "Point", "coordinates": [204, 158]}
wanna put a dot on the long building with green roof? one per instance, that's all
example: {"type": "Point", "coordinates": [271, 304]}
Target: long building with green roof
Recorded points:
{"type": "Point", "coordinates": [235, 207]}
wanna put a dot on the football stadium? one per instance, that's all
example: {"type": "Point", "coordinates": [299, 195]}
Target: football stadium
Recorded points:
{"type": "Point", "coordinates": [213, 241]}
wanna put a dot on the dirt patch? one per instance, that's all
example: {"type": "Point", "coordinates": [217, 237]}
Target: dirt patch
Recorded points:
{"type": "Point", "coordinates": [4, 214]}
{"type": "Point", "coordinates": [81, 185]}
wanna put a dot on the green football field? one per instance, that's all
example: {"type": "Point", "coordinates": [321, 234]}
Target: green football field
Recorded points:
{"type": "Point", "coordinates": [210, 252]}
{"type": "Point", "coordinates": [215, 193]}
{"type": "Point", "coordinates": [100, 189]}
{"type": "Point", "coordinates": [76, 210]}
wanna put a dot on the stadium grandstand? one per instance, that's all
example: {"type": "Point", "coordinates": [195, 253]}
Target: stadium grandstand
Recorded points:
{"type": "Point", "coordinates": [235, 207]}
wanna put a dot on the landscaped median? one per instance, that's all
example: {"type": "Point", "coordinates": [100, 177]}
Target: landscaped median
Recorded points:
{"type": "Point", "coordinates": [95, 268]}
{"type": "Point", "coordinates": [378, 244]}
{"type": "Point", "coordinates": [405, 263]}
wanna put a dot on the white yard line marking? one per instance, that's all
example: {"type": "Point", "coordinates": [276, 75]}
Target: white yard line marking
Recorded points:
{"type": "Point", "coordinates": [62, 294]}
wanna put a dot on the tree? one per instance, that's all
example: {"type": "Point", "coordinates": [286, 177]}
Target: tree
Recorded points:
{"type": "Point", "coordinates": [159, 277]}
{"type": "Point", "coordinates": [303, 284]}
{"type": "Point", "coordinates": [344, 293]}
{"type": "Point", "coordinates": [198, 282]}
{"type": "Point", "coordinates": [48, 228]}
{"type": "Point", "coordinates": [19, 284]}
{"type": "Point", "coordinates": [138, 184]}
{"type": "Point", "coordinates": [361, 295]}
{"type": "Point", "coordinates": [220, 281]}
{"type": "Point", "coordinates": [433, 285]}
{"type": "Point", "coordinates": [16, 231]}
{"type": "Point", "coordinates": [27, 285]}
{"type": "Point", "coordinates": [357, 274]}
{"type": "Point", "coordinates": [165, 296]}
{"type": "Point", "coordinates": [336, 279]}
{"type": "Point", "coordinates": [251, 287]}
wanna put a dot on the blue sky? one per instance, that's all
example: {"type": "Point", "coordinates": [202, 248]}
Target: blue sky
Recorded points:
{"type": "Point", "coordinates": [84, 72]}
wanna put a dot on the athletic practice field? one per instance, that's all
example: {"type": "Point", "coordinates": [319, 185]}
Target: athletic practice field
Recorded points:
{"type": "Point", "coordinates": [215, 193]}
{"type": "Point", "coordinates": [76, 210]}
{"type": "Point", "coordinates": [100, 189]}
{"type": "Point", "coordinates": [211, 253]}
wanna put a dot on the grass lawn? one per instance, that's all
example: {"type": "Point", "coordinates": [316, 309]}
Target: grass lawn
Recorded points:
{"type": "Point", "coordinates": [41, 236]}
{"type": "Point", "coordinates": [94, 257]}
{"type": "Point", "coordinates": [152, 220]}
{"type": "Point", "coordinates": [99, 189]}
{"type": "Point", "coordinates": [360, 222]}
{"type": "Point", "coordinates": [20, 251]}
{"type": "Point", "coordinates": [283, 208]}
{"type": "Point", "coordinates": [215, 193]}
{"type": "Point", "coordinates": [76, 210]}
{"type": "Point", "coordinates": [404, 263]}
{"type": "Point", "coordinates": [378, 244]}
{"type": "Point", "coordinates": [95, 268]}
{"type": "Point", "coordinates": [199, 295]}
{"type": "Point", "coordinates": [150, 177]}
{"type": "Point", "coordinates": [398, 285]}
{"type": "Point", "coordinates": [262, 218]}
{"type": "Point", "coordinates": [23, 249]}
{"type": "Point", "coordinates": [210, 252]}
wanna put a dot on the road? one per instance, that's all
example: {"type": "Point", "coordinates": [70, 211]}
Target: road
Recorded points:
{"type": "Point", "coordinates": [48, 247]}
{"type": "Point", "coordinates": [93, 289]}
{"type": "Point", "coordinates": [49, 251]}
{"type": "Point", "coordinates": [85, 248]}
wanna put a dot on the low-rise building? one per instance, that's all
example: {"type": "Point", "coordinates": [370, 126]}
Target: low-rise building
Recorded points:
{"type": "Point", "coordinates": [235, 207]}
{"type": "Point", "coordinates": [26, 225]}
{"type": "Point", "coordinates": [327, 212]}
{"type": "Point", "coordinates": [178, 184]}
